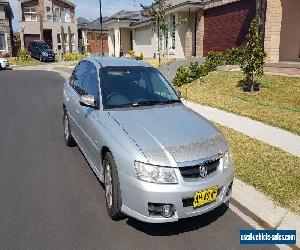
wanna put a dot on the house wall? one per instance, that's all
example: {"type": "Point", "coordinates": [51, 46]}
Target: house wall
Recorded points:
{"type": "Point", "coordinates": [95, 43]}
{"type": "Point", "coordinates": [273, 29]}
{"type": "Point", "coordinates": [145, 40]}
{"type": "Point", "coordinates": [33, 28]}
{"type": "Point", "coordinates": [226, 26]}
{"type": "Point", "coordinates": [290, 31]}
{"type": "Point", "coordinates": [182, 36]}
{"type": "Point", "coordinates": [110, 42]}
{"type": "Point", "coordinates": [2, 12]}
{"type": "Point", "coordinates": [6, 29]}
{"type": "Point", "coordinates": [199, 33]}
{"type": "Point", "coordinates": [125, 40]}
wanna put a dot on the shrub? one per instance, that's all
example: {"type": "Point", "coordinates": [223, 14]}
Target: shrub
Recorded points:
{"type": "Point", "coordinates": [23, 55]}
{"type": "Point", "coordinates": [213, 60]}
{"type": "Point", "coordinates": [254, 56]}
{"type": "Point", "coordinates": [182, 76]}
{"type": "Point", "coordinates": [131, 53]}
{"type": "Point", "coordinates": [140, 57]}
{"type": "Point", "coordinates": [72, 57]}
{"type": "Point", "coordinates": [197, 70]}
{"type": "Point", "coordinates": [234, 56]}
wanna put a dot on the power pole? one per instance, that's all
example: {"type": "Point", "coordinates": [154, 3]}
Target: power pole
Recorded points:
{"type": "Point", "coordinates": [101, 28]}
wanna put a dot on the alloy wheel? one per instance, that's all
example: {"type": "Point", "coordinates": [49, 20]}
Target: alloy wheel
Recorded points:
{"type": "Point", "coordinates": [66, 127]}
{"type": "Point", "coordinates": [108, 185]}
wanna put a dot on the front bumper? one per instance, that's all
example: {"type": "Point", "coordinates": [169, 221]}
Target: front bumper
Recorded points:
{"type": "Point", "coordinates": [137, 194]}
{"type": "Point", "coordinates": [49, 58]}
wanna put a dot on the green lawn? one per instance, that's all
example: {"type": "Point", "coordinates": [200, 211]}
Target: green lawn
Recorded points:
{"type": "Point", "coordinates": [268, 169]}
{"type": "Point", "coordinates": [278, 104]}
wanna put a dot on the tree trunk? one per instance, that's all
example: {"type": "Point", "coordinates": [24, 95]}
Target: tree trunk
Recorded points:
{"type": "Point", "coordinates": [252, 83]}
{"type": "Point", "coordinates": [41, 18]}
{"type": "Point", "coordinates": [159, 50]}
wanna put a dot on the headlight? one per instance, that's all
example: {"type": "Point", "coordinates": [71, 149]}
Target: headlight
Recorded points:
{"type": "Point", "coordinates": [155, 174]}
{"type": "Point", "coordinates": [226, 160]}
{"type": "Point", "coordinates": [44, 53]}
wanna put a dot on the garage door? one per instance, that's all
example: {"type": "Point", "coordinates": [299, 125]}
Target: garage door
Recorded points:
{"type": "Point", "coordinates": [226, 26]}
{"type": "Point", "coordinates": [28, 38]}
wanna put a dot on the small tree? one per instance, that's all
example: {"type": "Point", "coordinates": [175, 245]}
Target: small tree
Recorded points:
{"type": "Point", "coordinates": [157, 13]}
{"type": "Point", "coordinates": [254, 56]}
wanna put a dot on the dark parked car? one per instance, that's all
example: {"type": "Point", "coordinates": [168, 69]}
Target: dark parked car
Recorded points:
{"type": "Point", "coordinates": [41, 51]}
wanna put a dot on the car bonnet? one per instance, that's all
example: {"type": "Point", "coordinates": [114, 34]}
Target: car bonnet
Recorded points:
{"type": "Point", "coordinates": [171, 134]}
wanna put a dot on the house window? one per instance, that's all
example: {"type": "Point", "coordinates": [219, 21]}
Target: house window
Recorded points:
{"type": "Point", "coordinates": [30, 18]}
{"type": "Point", "coordinates": [173, 31]}
{"type": "Point", "coordinates": [166, 40]}
{"type": "Point", "coordinates": [56, 14]}
{"type": "Point", "coordinates": [66, 42]}
{"type": "Point", "coordinates": [2, 42]}
{"type": "Point", "coordinates": [63, 15]}
{"type": "Point", "coordinates": [48, 9]}
{"type": "Point", "coordinates": [49, 18]}
{"type": "Point", "coordinates": [29, 10]}
{"type": "Point", "coordinates": [58, 41]}
{"type": "Point", "coordinates": [73, 41]}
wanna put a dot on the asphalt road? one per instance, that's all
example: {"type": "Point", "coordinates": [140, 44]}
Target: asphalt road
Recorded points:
{"type": "Point", "coordinates": [50, 198]}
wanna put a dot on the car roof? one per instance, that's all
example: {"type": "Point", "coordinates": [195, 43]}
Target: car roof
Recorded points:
{"type": "Point", "coordinates": [117, 61]}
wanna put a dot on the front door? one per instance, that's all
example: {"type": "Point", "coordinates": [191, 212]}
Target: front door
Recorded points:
{"type": "Point", "coordinates": [88, 116]}
{"type": "Point", "coordinates": [73, 93]}
{"type": "Point", "coordinates": [48, 37]}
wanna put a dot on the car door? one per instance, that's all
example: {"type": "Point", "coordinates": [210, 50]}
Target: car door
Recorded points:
{"type": "Point", "coordinates": [88, 115]}
{"type": "Point", "coordinates": [73, 91]}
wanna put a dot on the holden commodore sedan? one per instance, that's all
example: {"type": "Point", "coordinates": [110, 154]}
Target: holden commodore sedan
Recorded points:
{"type": "Point", "coordinates": [159, 161]}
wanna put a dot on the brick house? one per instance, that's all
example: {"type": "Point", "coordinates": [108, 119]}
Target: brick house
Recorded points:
{"type": "Point", "coordinates": [89, 36]}
{"type": "Point", "coordinates": [6, 31]}
{"type": "Point", "coordinates": [53, 21]}
{"type": "Point", "coordinates": [211, 25]}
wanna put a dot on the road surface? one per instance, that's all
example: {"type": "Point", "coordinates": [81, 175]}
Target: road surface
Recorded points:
{"type": "Point", "coordinates": [50, 198]}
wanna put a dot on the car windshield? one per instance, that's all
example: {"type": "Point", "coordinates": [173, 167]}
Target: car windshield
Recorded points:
{"type": "Point", "coordinates": [135, 86]}
{"type": "Point", "coordinates": [43, 45]}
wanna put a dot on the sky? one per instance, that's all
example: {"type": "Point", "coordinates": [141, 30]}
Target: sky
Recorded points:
{"type": "Point", "coordinates": [89, 9]}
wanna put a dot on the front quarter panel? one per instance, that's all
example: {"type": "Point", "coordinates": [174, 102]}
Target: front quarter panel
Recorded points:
{"type": "Point", "coordinates": [124, 150]}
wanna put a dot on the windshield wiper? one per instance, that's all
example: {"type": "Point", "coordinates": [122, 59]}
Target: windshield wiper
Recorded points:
{"type": "Point", "coordinates": [171, 101]}
{"type": "Point", "coordinates": [145, 103]}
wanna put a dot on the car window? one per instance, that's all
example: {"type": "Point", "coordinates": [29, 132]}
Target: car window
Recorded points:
{"type": "Point", "coordinates": [157, 87]}
{"type": "Point", "coordinates": [79, 78]}
{"type": "Point", "coordinates": [132, 86]}
{"type": "Point", "coordinates": [43, 46]}
{"type": "Point", "coordinates": [91, 85]}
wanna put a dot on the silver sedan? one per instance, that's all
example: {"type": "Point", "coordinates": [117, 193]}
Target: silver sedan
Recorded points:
{"type": "Point", "coordinates": [159, 160]}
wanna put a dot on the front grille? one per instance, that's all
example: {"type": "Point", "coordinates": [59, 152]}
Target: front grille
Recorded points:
{"type": "Point", "coordinates": [194, 172]}
{"type": "Point", "coordinates": [188, 202]}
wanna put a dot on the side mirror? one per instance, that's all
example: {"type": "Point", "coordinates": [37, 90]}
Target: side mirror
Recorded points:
{"type": "Point", "coordinates": [88, 101]}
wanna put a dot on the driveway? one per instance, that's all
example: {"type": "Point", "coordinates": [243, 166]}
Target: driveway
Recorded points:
{"type": "Point", "coordinates": [169, 70]}
{"type": "Point", "coordinates": [50, 199]}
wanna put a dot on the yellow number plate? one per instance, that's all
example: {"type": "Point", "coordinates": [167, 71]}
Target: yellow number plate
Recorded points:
{"type": "Point", "coordinates": [206, 196]}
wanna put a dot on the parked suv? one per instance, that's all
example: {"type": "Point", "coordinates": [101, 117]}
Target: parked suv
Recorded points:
{"type": "Point", "coordinates": [159, 161]}
{"type": "Point", "coordinates": [41, 51]}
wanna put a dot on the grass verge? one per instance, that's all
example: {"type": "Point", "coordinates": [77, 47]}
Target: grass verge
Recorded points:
{"type": "Point", "coordinates": [13, 61]}
{"type": "Point", "coordinates": [277, 105]}
{"type": "Point", "coordinates": [267, 168]}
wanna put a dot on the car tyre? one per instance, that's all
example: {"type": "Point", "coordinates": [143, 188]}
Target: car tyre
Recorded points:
{"type": "Point", "coordinates": [70, 142]}
{"type": "Point", "coordinates": [0, 66]}
{"type": "Point", "coordinates": [112, 187]}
